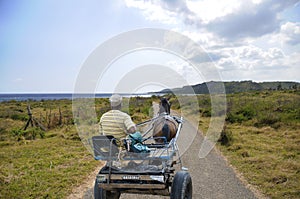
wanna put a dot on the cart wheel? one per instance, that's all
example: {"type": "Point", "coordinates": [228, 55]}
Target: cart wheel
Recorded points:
{"type": "Point", "coordinates": [100, 193]}
{"type": "Point", "coordinates": [182, 186]}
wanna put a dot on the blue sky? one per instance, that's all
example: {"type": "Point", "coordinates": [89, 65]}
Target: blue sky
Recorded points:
{"type": "Point", "coordinates": [43, 44]}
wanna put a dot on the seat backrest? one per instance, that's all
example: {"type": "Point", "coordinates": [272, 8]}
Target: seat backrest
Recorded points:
{"type": "Point", "coordinates": [105, 147]}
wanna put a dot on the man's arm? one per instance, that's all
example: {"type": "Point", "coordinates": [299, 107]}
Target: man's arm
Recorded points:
{"type": "Point", "coordinates": [130, 125]}
{"type": "Point", "coordinates": [132, 130]}
{"type": "Point", "coordinates": [100, 128]}
{"type": "Point", "coordinates": [100, 125]}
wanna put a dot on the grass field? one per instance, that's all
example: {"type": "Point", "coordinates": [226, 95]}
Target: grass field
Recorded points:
{"type": "Point", "coordinates": [268, 158]}
{"type": "Point", "coordinates": [261, 138]}
{"type": "Point", "coordinates": [43, 168]}
{"type": "Point", "coordinates": [38, 164]}
{"type": "Point", "coordinates": [263, 130]}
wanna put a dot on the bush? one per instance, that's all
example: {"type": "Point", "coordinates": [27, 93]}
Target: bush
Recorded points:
{"type": "Point", "coordinates": [226, 138]}
{"type": "Point", "coordinates": [19, 133]}
{"type": "Point", "coordinates": [29, 134]}
{"type": "Point", "coordinates": [244, 114]}
{"type": "Point", "coordinates": [19, 117]}
{"type": "Point", "coordinates": [247, 112]}
{"type": "Point", "coordinates": [267, 119]}
{"type": "Point", "coordinates": [206, 113]}
{"type": "Point", "coordinates": [233, 118]}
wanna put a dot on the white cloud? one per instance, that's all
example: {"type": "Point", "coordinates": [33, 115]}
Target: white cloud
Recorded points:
{"type": "Point", "coordinates": [230, 19]}
{"type": "Point", "coordinates": [209, 10]}
{"type": "Point", "coordinates": [256, 1]}
{"type": "Point", "coordinates": [279, 70]}
{"type": "Point", "coordinates": [190, 74]}
{"type": "Point", "coordinates": [290, 33]}
{"type": "Point", "coordinates": [242, 36]}
{"type": "Point", "coordinates": [153, 12]}
{"type": "Point", "coordinates": [203, 38]}
{"type": "Point", "coordinates": [250, 20]}
{"type": "Point", "coordinates": [249, 58]}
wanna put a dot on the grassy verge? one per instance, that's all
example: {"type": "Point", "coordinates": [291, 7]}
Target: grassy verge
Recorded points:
{"type": "Point", "coordinates": [38, 164]}
{"type": "Point", "coordinates": [261, 138]}
{"type": "Point", "coordinates": [44, 168]}
{"type": "Point", "coordinates": [267, 158]}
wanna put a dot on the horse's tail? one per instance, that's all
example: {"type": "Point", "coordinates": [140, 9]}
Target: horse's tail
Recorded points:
{"type": "Point", "coordinates": [166, 131]}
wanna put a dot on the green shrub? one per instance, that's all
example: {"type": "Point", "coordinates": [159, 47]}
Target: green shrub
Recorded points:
{"type": "Point", "coordinates": [226, 138]}
{"type": "Point", "coordinates": [247, 112]}
{"type": "Point", "coordinates": [236, 118]}
{"type": "Point", "coordinates": [18, 133]}
{"type": "Point", "coordinates": [19, 117]}
{"type": "Point", "coordinates": [244, 114]}
{"type": "Point", "coordinates": [29, 134]}
{"type": "Point", "coordinates": [267, 119]}
{"type": "Point", "coordinates": [206, 113]}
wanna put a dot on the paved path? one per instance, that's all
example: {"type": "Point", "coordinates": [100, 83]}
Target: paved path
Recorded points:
{"type": "Point", "coordinates": [211, 176]}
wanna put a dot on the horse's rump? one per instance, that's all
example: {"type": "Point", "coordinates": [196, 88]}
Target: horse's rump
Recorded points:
{"type": "Point", "coordinates": [166, 127]}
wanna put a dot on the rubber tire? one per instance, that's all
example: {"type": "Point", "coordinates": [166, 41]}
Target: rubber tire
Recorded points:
{"type": "Point", "coordinates": [182, 187]}
{"type": "Point", "coordinates": [100, 193]}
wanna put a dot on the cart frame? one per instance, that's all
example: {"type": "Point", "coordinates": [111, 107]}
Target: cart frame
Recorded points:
{"type": "Point", "coordinates": [141, 173]}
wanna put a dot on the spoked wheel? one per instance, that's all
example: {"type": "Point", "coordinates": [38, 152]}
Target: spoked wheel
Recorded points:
{"type": "Point", "coordinates": [100, 193]}
{"type": "Point", "coordinates": [182, 187]}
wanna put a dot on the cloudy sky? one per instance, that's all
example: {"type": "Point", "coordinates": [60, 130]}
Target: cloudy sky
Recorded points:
{"type": "Point", "coordinates": [43, 44]}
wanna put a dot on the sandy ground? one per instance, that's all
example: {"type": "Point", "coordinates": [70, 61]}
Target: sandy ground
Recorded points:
{"type": "Point", "coordinates": [85, 190]}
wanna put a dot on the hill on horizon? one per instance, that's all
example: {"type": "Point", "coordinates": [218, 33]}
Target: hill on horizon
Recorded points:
{"type": "Point", "coordinates": [233, 87]}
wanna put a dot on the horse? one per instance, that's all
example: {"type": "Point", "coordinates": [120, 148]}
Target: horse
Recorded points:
{"type": "Point", "coordinates": [164, 125]}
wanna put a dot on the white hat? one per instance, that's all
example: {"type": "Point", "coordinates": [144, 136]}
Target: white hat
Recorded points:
{"type": "Point", "coordinates": [115, 100]}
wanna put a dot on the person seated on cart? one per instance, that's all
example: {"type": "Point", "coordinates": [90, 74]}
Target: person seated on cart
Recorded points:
{"type": "Point", "coordinates": [115, 122]}
{"type": "Point", "coordinates": [119, 124]}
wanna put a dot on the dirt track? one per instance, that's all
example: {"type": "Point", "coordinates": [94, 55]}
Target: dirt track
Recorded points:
{"type": "Point", "coordinates": [211, 176]}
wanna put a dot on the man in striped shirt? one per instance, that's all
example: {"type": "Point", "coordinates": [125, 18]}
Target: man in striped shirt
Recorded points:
{"type": "Point", "coordinates": [115, 122]}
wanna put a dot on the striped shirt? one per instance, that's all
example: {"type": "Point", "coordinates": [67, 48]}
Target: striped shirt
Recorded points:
{"type": "Point", "coordinates": [116, 123]}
